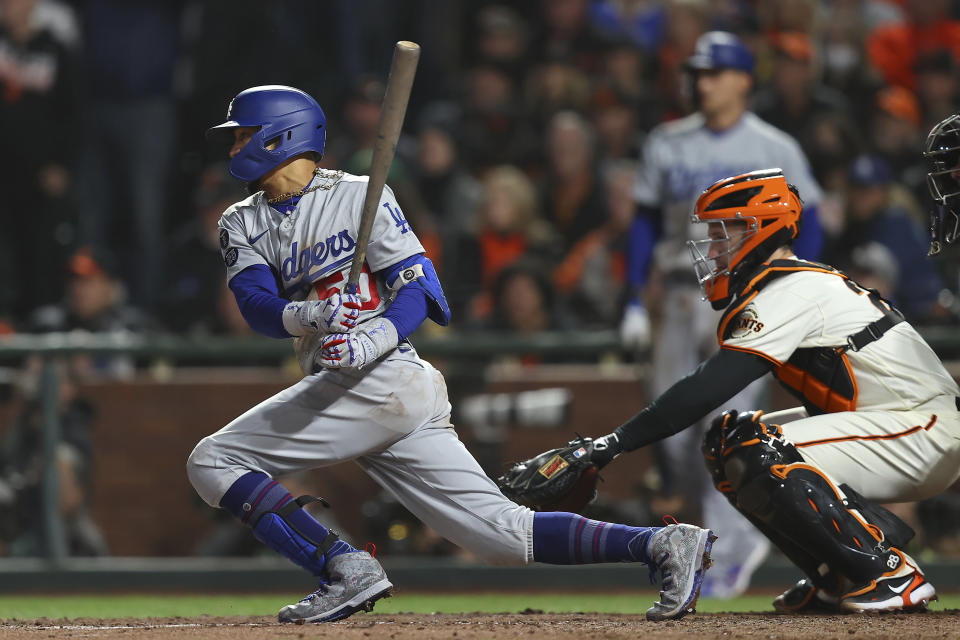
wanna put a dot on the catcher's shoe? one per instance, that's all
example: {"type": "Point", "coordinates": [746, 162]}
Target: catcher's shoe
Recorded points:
{"type": "Point", "coordinates": [806, 597]}
{"type": "Point", "coordinates": [904, 591]}
{"type": "Point", "coordinates": [681, 553]}
{"type": "Point", "coordinates": [354, 581]}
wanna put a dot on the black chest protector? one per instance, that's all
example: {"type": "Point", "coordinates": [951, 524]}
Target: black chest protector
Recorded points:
{"type": "Point", "coordinates": [821, 377]}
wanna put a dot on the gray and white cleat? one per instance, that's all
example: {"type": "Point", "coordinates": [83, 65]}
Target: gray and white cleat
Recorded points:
{"type": "Point", "coordinates": [681, 553]}
{"type": "Point", "coordinates": [354, 582]}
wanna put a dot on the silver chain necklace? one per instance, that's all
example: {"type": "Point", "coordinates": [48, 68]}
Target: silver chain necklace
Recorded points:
{"type": "Point", "coordinates": [334, 177]}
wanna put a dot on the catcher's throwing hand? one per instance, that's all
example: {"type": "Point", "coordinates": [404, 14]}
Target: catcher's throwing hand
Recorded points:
{"type": "Point", "coordinates": [359, 347]}
{"type": "Point", "coordinates": [563, 479]}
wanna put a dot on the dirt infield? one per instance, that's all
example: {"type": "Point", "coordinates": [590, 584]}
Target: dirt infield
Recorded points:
{"type": "Point", "coordinates": [941, 624]}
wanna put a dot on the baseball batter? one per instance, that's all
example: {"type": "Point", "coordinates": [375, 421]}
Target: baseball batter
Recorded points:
{"type": "Point", "coordinates": [680, 159]}
{"type": "Point", "coordinates": [367, 396]}
{"type": "Point", "coordinates": [880, 420]}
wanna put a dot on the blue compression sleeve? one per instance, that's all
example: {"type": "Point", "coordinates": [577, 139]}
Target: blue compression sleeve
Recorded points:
{"type": "Point", "coordinates": [810, 241]}
{"type": "Point", "coordinates": [408, 310]}
{"type": "Point", "coordinates": [640, 242]}
{"type": "Point", "coordinates": [255, 289]}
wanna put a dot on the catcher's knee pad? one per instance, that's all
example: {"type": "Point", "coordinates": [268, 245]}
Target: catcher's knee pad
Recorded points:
{"type": "Point", "coordinates": [801, 503]}
{"type": "Point", "coordinates": [739, 447]}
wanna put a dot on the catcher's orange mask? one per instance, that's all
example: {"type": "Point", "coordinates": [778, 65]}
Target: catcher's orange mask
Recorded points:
{"type": "Point", "coordinates": [750, 215]}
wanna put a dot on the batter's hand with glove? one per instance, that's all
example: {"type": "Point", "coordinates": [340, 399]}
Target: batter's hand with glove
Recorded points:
{"type": "Point", "coordinates": [337, 312]}
{"type": "Point", "coordinates": [349, 350]}
{"type": "Point", "coordinates": [563, 479]}
{"type": "Point", "coordinates": [360, 347]}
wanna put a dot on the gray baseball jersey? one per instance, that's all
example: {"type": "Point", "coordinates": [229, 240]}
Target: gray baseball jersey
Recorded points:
{"type": "Point", "coordinates": [392, 417]}
{"type": "Point", "coordinates": [683, 157]}
{"type": "Point", "coordinates": [313, 246]}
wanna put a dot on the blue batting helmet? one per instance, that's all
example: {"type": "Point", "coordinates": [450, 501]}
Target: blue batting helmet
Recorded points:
{"type": "Point", "coordinates": [720, 50]}
{"type": "Point", "coordinates": [290, 121]}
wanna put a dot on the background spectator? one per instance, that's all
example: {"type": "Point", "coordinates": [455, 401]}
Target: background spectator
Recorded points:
{"type": "Point", "coordinates": [95, 302]}
{"type": "Point", "coordinates": [571, 191]}
{"type": "Point", "coordinates": [873, 218]}
{"type": "Point", "coordinates": [510, 228]}
{"type": "Point", "coordinates": [23, 532]}
{"type": "Point", "coordinates": [592, 276]}
{"type": "Point", "coordinates": [39, 126]}
{"type": "Point", "coordinates": [195, 281]}
{"type": "Point", "coordinates": [130, 140]}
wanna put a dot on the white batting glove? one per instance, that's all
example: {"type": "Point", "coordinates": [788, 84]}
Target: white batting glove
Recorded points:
{"type": "Point", "coordinates": [360, 347]}
{"type": "Point", "coordinates": [635, 326]}
{"type": "Point", "coordinates": [338, 312]}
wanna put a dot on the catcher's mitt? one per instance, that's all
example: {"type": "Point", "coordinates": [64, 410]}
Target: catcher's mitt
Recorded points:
{"type": "Point", "coordinates": [563, 479]}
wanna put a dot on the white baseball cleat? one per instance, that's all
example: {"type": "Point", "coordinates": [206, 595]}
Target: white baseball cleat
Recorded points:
{"type": "Point", "coordinates": [909, 592]}
{"type": "Point", "coordinates": [354, 582]}
{"type": "Point", "coordinates": [681, 553]}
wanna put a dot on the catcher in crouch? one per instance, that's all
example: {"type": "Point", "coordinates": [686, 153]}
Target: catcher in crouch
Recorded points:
{"type": "Point", "coordinates": [880, 420]}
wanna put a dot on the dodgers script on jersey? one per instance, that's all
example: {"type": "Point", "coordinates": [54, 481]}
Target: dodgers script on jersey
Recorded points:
{"type": "Point", "coordinates": [810, 309]}
{"type": "Point", "coordinates": [684, 157]}
{"type": "Point", "coordinates": [313, 246]}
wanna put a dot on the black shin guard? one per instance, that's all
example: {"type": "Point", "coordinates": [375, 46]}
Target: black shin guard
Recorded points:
{"type": "Point", "coordinates": [802, 504]}
{"type": "Point", "coordinates": [822, 528]}
{"type": "Point", "coordinates": [713, 447]}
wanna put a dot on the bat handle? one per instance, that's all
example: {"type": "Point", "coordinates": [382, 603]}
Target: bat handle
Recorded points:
{"type": "Point", "coordinates": [352, 288]}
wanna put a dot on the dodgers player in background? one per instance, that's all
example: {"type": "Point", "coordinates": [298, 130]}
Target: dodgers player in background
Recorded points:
{"type": "Point", "coordinates": [680, 159]}
{"type": "Point", "coordinates": [367, 396]}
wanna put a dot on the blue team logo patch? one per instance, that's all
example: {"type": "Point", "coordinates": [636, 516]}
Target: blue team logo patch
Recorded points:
{"type": "Point", "coordinates": [579, 453]}
{"type": "Point", "coordinates": [224, 238]}
{"type": "Point", "coordinates": [230, 257]}
{"type": "Point", "coordinates": [398, 219]}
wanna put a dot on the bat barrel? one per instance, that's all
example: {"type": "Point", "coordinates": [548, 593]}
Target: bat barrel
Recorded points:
{"type": "Point", "coordinates": [406, 54]}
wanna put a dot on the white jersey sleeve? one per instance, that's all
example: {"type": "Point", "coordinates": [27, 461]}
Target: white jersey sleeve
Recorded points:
{"type": "Point", "coordinates": [773, 324]}
{"type": "Point", "coordinates": [391, 239]}
{"type": "Point", "coordinates": [236, 248]}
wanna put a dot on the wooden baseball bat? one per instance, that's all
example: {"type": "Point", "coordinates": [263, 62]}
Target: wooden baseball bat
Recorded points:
{"type": "Point", "coordinates": [405, 57]}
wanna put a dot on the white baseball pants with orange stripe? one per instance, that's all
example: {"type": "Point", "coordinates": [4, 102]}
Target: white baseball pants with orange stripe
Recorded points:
{"type": "Point", "coordinates": [887, 456]}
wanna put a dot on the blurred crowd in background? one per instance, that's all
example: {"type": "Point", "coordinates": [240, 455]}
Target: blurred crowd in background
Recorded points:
{"type": "Point", "coordinates": [521, 141]}
{"type": "Point", "coordinates": [517, 164]}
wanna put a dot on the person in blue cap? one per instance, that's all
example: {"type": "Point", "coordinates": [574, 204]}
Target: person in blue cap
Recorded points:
{"type": "Point", "coordinates": [873, 216]}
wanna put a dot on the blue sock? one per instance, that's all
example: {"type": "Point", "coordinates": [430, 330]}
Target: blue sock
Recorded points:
{"type": "Point", "coordinates": [253, 498]}
{"type": "Point", "coordinates": [568, 538]}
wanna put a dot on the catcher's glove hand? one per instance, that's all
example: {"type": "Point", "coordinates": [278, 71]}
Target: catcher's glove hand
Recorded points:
{"type": "Point", "coordinates": [563, 479]}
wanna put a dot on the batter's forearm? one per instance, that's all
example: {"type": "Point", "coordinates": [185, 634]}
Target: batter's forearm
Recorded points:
{"type": "Point", "coordinates": [259, 301]}
{"type": "Point", "coordinates": [407, 311]}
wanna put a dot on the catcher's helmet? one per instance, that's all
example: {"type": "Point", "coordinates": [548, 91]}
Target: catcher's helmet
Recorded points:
{"type": "Point", "coordinates": [767, 207]}
{"type": "Point", "coordinates": [287, 117]}
{"type": "Point", "coordinates": [720, 50]}
{"type": "Point", "coordinates": [942, 149]}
